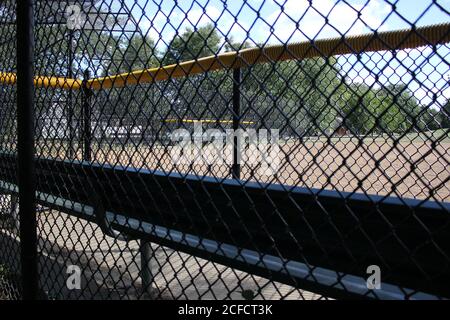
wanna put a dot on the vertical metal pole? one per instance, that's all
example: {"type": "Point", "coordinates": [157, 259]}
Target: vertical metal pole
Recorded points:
{"type": "Point", "coordinates": [69, 105]}
{"type": "Point", "coordinates": [14, 212]}
{"type": "Point", "coordinates": [25, 148]}
{"type": "Point", "coordinates": [147, 265]}
{"type": "Point", "coordinates": [87, 93]}
{"type": "Point", "coordinates": [236, 168]}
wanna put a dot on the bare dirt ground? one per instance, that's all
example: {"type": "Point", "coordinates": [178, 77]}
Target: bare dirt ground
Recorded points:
{"type": "Point", "coordinates": [409, 169]}
{"type": "Point", "coordinates": [413, 169]}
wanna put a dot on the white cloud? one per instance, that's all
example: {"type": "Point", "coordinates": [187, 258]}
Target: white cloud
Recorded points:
{"type": "Point", "coordinates": [164, 25]}
{"type": "Point", "coordinates": [210, 14]}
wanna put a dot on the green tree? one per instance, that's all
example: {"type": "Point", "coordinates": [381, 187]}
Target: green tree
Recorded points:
{"type": "Point", "coordinates": [131, 105]}
{"type": "Point", "coordinates": [388, 109]}
{"type": "Point", "coordinates": [429, 118]}
{"type": "Point", "coordinates": [293, 95]}
{"type": "Point", "coordinates": [397, 109]}
{"type": "Point", "coordinates": [196, 96]}
{"type": "Point", "coordinates": [131, 54]}
{"type": "Point", "coordinates": [193, 44]}
{"type": "Point", "coordinates": [445, 115]}
{"type": "Point", "coordinates": [232, 45]}
{"type": "Point", "coordinates": [358, 103]}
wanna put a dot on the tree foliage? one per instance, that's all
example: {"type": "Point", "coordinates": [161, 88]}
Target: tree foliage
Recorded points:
{"type": "Point", "coordinates": [193, 44]}
{"type": "Point", "coordinates": [305, 97]}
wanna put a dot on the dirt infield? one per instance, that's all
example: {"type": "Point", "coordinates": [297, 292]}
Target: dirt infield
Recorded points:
{"type": "Point", "coordinates": [412, 169]}
{"type": "Point", "coordinates": [409, 169]}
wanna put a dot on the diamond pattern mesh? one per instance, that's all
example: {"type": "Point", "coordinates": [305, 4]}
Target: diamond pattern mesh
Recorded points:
{"type": "Point", "coordinates": [358, 92]}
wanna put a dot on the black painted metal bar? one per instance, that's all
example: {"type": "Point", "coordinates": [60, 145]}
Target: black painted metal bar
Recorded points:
{"type": "Point", "coordinates": [148, 266]}
{"type": "Point", "coordinates": [236, 168]}
{"type": "Point", "coordinates": [70, 106]}
{"type": "Point", "coordinates": [87, 94]}
{"type": "Point", "coordinates": [329, 228]}
{"type": "Point", "coordinates": [25, 146]}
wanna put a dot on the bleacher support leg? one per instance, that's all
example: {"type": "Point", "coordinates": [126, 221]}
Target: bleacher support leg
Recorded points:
{"type": "Point", "coordinates": [147, 266]}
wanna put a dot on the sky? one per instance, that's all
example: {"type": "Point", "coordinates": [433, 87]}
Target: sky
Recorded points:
{"type": "Point", "coordinates": [276, 19]}
{"type": "Point", "coordinates": [284, 21]}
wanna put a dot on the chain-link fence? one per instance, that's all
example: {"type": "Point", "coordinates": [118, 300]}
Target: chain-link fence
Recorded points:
{"type": "Point", "coordinates": [232, 149]}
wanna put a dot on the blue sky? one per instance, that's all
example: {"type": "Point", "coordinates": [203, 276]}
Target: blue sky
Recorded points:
{"type": "Point", "coordinates": [162, 18]}
{"type": "Point", "coordinates": [275, 21]}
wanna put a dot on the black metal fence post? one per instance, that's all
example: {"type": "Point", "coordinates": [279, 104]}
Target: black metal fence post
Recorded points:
{"type": "Point", "coordinates": [236, 168]}
{"type": "Point", "coordinates": [87, 94]}
{"type": "Point", "coordinates": [25, 148]}
{"type": "Point", "coordinates": [69, 105]}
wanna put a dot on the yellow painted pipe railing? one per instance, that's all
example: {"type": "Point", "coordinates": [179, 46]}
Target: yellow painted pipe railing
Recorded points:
{"type": "Point", "coordinates": [381, 41]}
{"type": "Point", "coordinates": [390, 40]}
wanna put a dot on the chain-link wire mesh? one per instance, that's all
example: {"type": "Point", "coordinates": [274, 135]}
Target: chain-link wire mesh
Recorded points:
{"type": "Point", "coordinates": [10, 276]}
{"type": "Point", "coordinates": [150, 181]}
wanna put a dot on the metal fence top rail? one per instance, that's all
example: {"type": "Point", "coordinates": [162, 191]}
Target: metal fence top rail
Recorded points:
{"type": "Point", "coordinates": [371, 42]}
{"type": "Point", "coordinates": [44, 81]}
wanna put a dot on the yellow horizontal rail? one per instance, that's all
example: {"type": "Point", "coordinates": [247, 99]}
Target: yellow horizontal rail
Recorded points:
{"type": "Point", "coordinates": [381, 41]}
{"type": "Point", "coordinates": [57, 82]}
{"type": "Point", "coordinates": [205, 121]}
{"type": "Point", "coordinates": [8, 78]}
{"type": "Point", "coordinates": [43, 81]}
